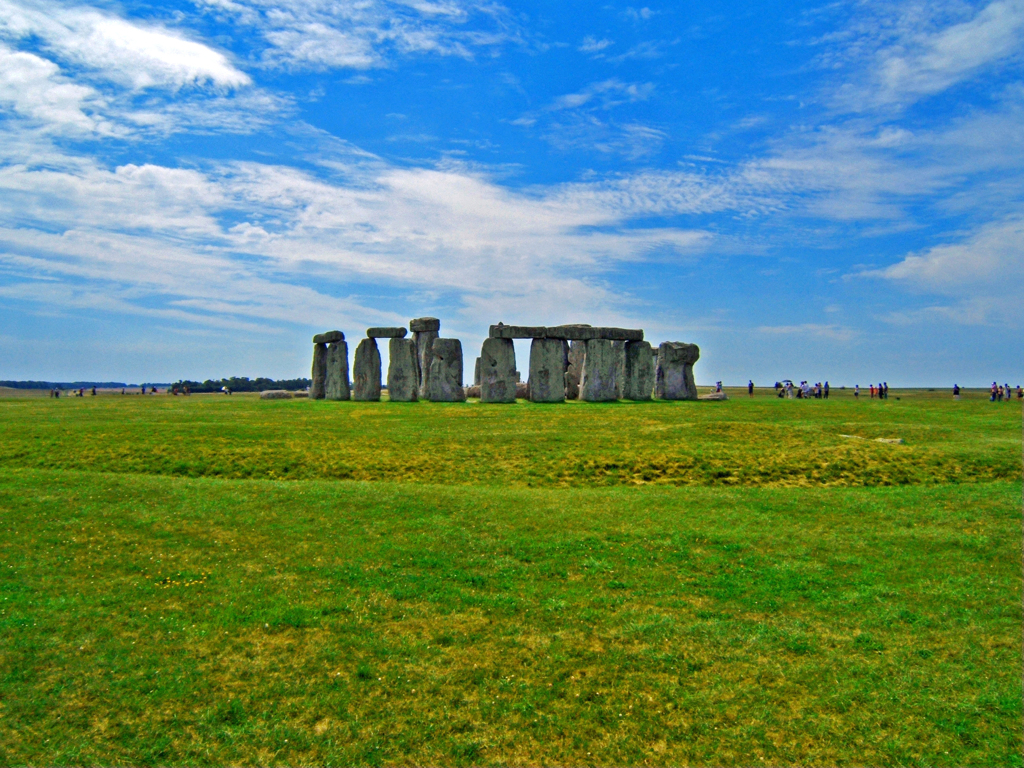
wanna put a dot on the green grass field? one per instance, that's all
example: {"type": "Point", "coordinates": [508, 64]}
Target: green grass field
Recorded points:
{"type": "Point", "coordinates": [224, 580]}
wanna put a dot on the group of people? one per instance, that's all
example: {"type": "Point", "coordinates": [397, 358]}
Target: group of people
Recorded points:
{"type": "Point", "coordinates": [805, 391]}
{"type": "Point", "coordinates": [1000, 393]}
{"type": "Point", "coordinates": [880, 390]}
{"type": "Point", "coordinates": [80, 392]}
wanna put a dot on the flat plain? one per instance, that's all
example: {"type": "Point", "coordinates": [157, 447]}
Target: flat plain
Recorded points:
{"type": "Point", "coordinates": [224, 580]}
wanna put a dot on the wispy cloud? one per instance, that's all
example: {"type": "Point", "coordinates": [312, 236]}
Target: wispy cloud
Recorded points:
{"type": "Point", "coordinates": [591, 44]}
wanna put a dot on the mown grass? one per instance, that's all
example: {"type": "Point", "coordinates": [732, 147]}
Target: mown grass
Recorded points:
{"type": "Point", "coordinates": [757, 442]}
{"type": "Point", "coordinates": [159, 620]}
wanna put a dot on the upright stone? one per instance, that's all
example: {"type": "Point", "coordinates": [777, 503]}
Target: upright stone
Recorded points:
{"type": "Point", "coordinates": [403, 371]}
{"type": "Point", "coordinates": [547, 370]}
{"type": "Point", "coordinates": [476, 373]}
{"type": "Point", "coordinates": [444, 380]}
{"type": "Point", "coordinates": [424, 331]}
{"type": "Point", "coordinates": [497, 366]}
{"type": "Point", "coordinates": [619, 348]}
{"type": "Point", "coordinates": [319, 374]}
{"type": "Point", "coordinates": [366, 372]}
{"type": "Point", "coordinates": [673, 379]}
{"type": "Point", "coordinates": [574, 369]}
{"type": "Point", "coordinates": [600, 364]}
{"type": "Point", "coordinates": [336, 386]}
{"type": "Point", "coordinates": [638, 375]}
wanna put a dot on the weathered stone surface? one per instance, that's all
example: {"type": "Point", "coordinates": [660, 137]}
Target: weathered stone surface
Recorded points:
{"type": "Point", "coordinates": [586, 333]}
{"type": "Point", "coordinates": [721, 396]}
{"type": "Point", "coordinates": [619, 348]}
{"type": "Point", "coordinates": [502, 331]}
{"type": "Point", "coordinates": [673, 379]}
{"type": "Point", "coordinates": [476, 373]}
{"type": "Point", "coordinates": [366, 372]}
{"type": "Point", "coordinates": [329, 338]}
{"type": "Point", "coordinates": [300, 393]}
{"type": "Point", "coordinates": [638, 372]}
{"type": "Point", "coordinates": [423, 341]}
{"type": "Point", "coordinates": [574, 369]}
{"type": "Point", "coordinates": [319, 374]}
{"type": "Point", "coordinates": [421, 324]}
{"type": "Point", "coordinates": [336, 387]}
{"type": "Point", "coordinates": [600, 365]}
{"type": "Point", "coordinates": [445, 379]}
{"type": "Point", "coordinates": [497, 371]}
{"type": "Point", "coordinates": [403, 371]}
{"type": "Point", "coordinates": [522, 390]}
{"type": "Point", "coordinates": [473, 391]}
{"type": "Point", "coordinates": [386, 333]}
{"type": "Point", "coordinates": [547, 370]}
{"type": "Point", "coordinates": [275, 394]}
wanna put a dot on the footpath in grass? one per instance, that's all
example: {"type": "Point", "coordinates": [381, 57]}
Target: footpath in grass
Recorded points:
{"type": "Point", "coordinates": [166, 621]}
{"type": "Point", "coordinates": [744, 442]}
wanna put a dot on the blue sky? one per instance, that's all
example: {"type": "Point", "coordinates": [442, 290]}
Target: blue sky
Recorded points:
{"type": "Point", "coordinates": [807, 191]}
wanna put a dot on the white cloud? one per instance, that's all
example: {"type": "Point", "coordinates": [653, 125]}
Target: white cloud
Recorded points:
{"type": "Point", "coordinates": [812, 330]}
{"type": "Point", "coordinates": [591, 44]}
{"type": "Point", "coordinates": [35, 89]}
{"type": "Point", "coordinates": [128, 53]}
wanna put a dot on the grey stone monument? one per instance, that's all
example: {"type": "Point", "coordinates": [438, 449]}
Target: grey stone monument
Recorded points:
{"type": "Point", "coordinates": [574, 369]}
{"type": "Point", "coordinates": [476, 373]}
{"type": "Point", "coordinates": [336, 387]}
{"type": "Point", "coordinates": [673, 379]}
{"type": "Point", "coordinates": [403, 371]}
{"type": "Point", "coordinates": [547, 370]}
{"type": "Point", "coordinates": [444, 381]}
{"type": "Point", "coordinates": [638, 372]}
{"type": "Point", "coordinates": [497, 370]}
{"type": "Point", "coordinates": [319, 374]}
{"type": "Point", "coordinates": [366, 372]}
{"type": "Point", "coordinates": [619, 347]}
{"type": "Point", "coordinates": [396, 332]}
{"type": "Point", "coordinates": [600, 366]}
{"type": "Point", "coordinates": [424, 331]}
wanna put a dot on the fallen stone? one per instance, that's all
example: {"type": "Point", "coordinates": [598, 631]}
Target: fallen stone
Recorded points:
{"type": "Point", "coordinates": [328, 338]}
{"type": "Point", "coordinates": [386, 333]}
{"type": "Point", "coordinates": [637, 372]}
{"type": "Point", "coordinates": [319, 375]}
{"type": "Point", "coordinates": [445, 380]}
{"type": "Point", "coordinates": [713, 396]}
{"type": "Point", "coordinates": [473, 391]}
{"type": "Point", "coordinates": [300, 393]}
{"type": "Point", "coordinates": [336, 386]}
{"type": "Point", "coordinates": [673, 378]}
{"type": "Point", "coordinates": [600, 365]}
{"type": "Point", "coordinates": [421, 324]}
{"type": "Point", "coordinates": [547, 370]}
{"type": "Point", "coordinates": [890, 440]}
{"type": "Point", "coordinates": [497, 371]}
{"type": "Point", "coordinates": [366, 372]}
{"type": "Point", "coordinates": [275, 394]}
{"type": "Point", "coordinates": [522, 390]}
{"type": "Point", "coordinates": [403, 371]}
{"type": "Point", "coordinates": [574, 369]}
{"type": "Point", "coordinates": [501, 331]}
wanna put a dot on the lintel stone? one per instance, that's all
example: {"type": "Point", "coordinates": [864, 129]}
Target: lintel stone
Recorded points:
{"type": "Point", "coordinates": [330, 337]}
{"type": "Point", "coordinates": [424, 324]}
{"type": "Point", "coordinates": [386, 333]}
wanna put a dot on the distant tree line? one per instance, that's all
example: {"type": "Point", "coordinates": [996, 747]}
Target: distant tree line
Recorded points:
{"type": "Point", "coordinates": [64, 384]}
{"type": "Point", "coordinates": [242, 384]}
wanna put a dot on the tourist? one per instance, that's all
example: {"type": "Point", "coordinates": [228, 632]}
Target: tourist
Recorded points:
{"type": "Point", "coordinates": [872, 391]}
{"type": "Point", "coordinates": [750, 388]}
{"type": "Point", "coordinates": [993, 392]}
{"type": "Point", "coordinates": [1020, 393]}
{"type": "Point", "coordinates": [885, 388]}
{"type": "Point", "coordinates": [956, 391]}
{"type": "Point", "coordinates": [94, 391]}
{"type": "Point", "coordinates": [826, 390]}
{"type": "Point", "coordinates": [856, 390]}
{"type": "Point", "coordinates": [1006, 388]}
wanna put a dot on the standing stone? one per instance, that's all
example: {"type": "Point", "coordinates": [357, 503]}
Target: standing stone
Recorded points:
{"type": "Point", "coordinates": [574, 369]}
{"type": "Point", "coordinates": [638, 372]}
{"type": "Point", "coordinates": [445, 378]}
{"type": "Point", "coordinates": [476, 373]}
{"type": "Point", "coordinates": [366, 372]}
{"type": "Point", "coordinates": [497, 369]}
{"type": "Point", "coordinates": [319, 375]}
{"type": "Point", "coordinates": [674, 377]}
{"type": "Point", "coordinates": [600, 364]}
{"type": "Point", "coordinates": [424, 331]}
{"type": "Point", "coordinates": [403, 371]}
{"type": "Point", "coordinates": [547, 370]}
{"type": "Point", "coordinates": [619, 348]}
{"type": "Point", "coordinates": [337, 385]}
